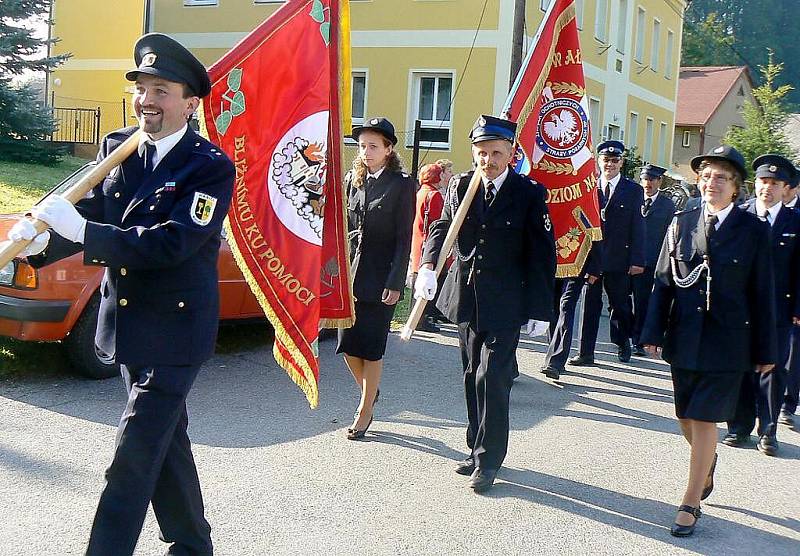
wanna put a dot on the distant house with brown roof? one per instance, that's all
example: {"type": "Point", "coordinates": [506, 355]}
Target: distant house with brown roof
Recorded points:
{"type": "Point", "coordinates": [710, 101]}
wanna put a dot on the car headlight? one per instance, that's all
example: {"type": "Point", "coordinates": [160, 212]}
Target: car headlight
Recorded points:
{"type": "Point", "coordinates": [7, 274]}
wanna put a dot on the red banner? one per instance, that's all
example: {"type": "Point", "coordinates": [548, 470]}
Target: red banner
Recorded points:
{"type": "Point", "coordinates": [274, 108]}
{"type": "Point", "coordinates": [549, 103]}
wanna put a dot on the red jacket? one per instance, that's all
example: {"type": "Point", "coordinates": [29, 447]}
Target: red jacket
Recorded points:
{"type": "Point", "coordinates": [430, 200]}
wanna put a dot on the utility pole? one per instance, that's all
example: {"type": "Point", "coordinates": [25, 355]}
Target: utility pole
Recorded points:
{"type": "Point", "coordinates": [516, 44]}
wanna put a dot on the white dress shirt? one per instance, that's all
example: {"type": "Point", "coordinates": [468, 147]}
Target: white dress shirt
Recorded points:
{"type": "Point", "coordinates": [163, 145]}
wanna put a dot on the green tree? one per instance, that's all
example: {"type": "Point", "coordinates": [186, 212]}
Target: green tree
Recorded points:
{"type": "Point", "coordinates": [708, 43]}
{"type": "Point", "coordinates": [25, 122]}
{"type": "Point", "coordinates": [765, 120]}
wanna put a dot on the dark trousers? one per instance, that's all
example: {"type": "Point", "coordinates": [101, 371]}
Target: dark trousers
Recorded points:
{"type": "Point", "coordinates": [618, 290]}
{"type": "Point", "coordinates": [152, 463]}
{"type": "Point", "coordinates": [762, 395]}
{"type": "Point", "coordinates": [642, 288]}
{"type": "Point", "coordinates": [792, 394]}
{"type": "Point", "coordinates": [488, 359]}
{"type": "Point", "coordinates": [561, 335]}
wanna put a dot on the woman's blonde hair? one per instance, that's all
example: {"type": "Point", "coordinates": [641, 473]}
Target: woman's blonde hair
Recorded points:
{"type": "Point", "coordinates": [393, 164]}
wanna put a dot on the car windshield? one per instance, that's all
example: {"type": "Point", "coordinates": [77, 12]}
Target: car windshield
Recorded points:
{"type": "Point", "coordinates": [70, 180]}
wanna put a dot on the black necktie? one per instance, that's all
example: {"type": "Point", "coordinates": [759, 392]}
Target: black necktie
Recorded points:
{"type": "Point", "coordinates": [149, 151]}
{"type": "Point", "coordinates": [489, 195]}
{"type": "Point", "coordinates": [711, 225]}
{"type": "Point", "coordinates": [647, 204]}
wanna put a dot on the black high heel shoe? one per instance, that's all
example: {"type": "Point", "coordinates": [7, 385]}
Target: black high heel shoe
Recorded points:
{"type": "Point", "coordinates": [355, 434]}
{"type": "Point", "coordinates": [679, 530]}
{"type": "Point", "coordinates": [707, 491]}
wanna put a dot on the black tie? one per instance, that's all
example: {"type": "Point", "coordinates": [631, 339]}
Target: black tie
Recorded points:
{"type": "Point", "coordinates": [711, 225]}
{"type": "Point", "coordinates": [149, 151]}
{"type": "Point", "coordinates": [647, 204]}
{"type": "Point", "coordinates": [489, 195]}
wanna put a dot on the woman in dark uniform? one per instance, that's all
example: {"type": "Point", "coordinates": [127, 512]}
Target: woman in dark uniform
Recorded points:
{"type": "Point", "coordinates": [707, 316]}
{"type": "Point", "coordinates": [379, 216]}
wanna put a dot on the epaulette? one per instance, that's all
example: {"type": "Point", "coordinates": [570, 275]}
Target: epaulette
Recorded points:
{"type": "Point", "coordinates": [208, 149]}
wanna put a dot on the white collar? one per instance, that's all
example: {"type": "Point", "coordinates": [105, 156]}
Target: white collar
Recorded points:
{"type": "Point", "coordinates": [773, 210]}
{"type": "Point", "coordinates": [377, 174]}
{"type": "Point", "coordinates": [163, 145]}
{"type": "Point", "coordinates": [653, 198]}
{"type": "Point", "coordinates": [792, 203]}
{"type": "Point", "coordinates": [498, 181]}
{"type": "Point", "coordinates": [721, 215]}
{"type": "Point", "coordinates": [612, 183]}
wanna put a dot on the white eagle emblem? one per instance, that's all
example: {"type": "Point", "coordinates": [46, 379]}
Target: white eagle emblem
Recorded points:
{"type": "Point", "coordinates": [563, 127]}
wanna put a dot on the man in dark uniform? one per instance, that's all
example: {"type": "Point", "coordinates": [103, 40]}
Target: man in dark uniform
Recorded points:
{"type": "Point", "coordinates": [501, 279]}
{"type": "Point", "coordinates": [657, 211]}
{"type": "Point", "coordinates": [154, 223]}
{"type": "Point", "coordinates": [762, 393]}
{"type": "Point", "coordinates": [622, 257]}
{"type": "Point", "coordinates": [792, 396]}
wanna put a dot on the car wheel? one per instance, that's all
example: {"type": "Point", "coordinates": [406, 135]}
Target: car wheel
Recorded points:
{"type": "Point", "coordinates": [79, 345]}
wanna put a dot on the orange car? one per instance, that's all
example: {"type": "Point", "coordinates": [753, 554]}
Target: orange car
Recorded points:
{"type": "Point", "coordinates": [60, 301]}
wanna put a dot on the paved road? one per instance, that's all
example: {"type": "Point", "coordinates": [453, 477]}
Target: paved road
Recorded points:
{"type": "Point", "coordinates": [596, 464]}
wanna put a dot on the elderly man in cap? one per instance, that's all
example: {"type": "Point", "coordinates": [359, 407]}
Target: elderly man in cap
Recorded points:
{"type": "Point", "coordinates": [154, 224]}
{"type": "Point", "coordinates": [762, 393]}
{"type": "Point", "coordinates": [501, 279]}
{"type": "Point", "coordinates": [622, 257]}
{"type": "Point", "coordinates": [657, 211]}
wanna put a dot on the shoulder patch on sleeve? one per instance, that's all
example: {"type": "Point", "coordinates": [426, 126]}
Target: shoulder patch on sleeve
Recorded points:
{"type": "Point", "coordinates": [202, 209]}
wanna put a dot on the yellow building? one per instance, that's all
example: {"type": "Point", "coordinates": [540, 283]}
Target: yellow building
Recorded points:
{"type": "Point", "coordinates": [447, 61]}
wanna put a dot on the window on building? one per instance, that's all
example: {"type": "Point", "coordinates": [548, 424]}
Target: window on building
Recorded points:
{"type": "Point", "coordinates": [359, 108]}
{"type": "Point", "coordinates": [544, 4]}
{"type": "Point", "coordinates": [601, 21]}
{"type": "Point", "coordinates": [687, 139]}
{"type": "Point", "coordinates": [200, 2]}
{"type": "Point", "coordinates": [648, 140]}
{"type": "Point", "coordinates": [668, 60]}
{"type": "Point", "coordinates": [656, 47]}
{"type": "Point", "coordinates": [594, 119]}
{"type": "Point", "coordinates": [622, 26]}
{"type": "Point", "coordinates": [640, 21]}
{"type": "Point", "coordinates": [633, 129]}
{"type": "Point", "coordinates": [614, 132]}
{"type": "Point", "coordinates": [662, 145]}
{"type": "Point", "coordinates": [579, 13]}
{"type": "Point", "coordinates": [432, 96]}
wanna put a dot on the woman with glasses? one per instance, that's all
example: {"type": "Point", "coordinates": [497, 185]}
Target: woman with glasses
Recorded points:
{"type": "Point", "coordinates": [707, 317]}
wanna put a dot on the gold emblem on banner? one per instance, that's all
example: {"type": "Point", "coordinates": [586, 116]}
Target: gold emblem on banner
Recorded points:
{"type": "Point", "coordinates": [555, 167]}
{"type": "Point", "coordinates": [562, 88]}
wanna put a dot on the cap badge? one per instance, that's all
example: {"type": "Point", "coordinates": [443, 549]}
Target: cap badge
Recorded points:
{"type": "Point", "coordinates": [718, 150]}
{"type": "Point", "coordinates": [482, 121]}
{"type": "Point", "coordinates": [148, 59]}
{"type": "Point", "coordinates": [373, 121]}
{"type": "Point", "coordinates": [773, 168]}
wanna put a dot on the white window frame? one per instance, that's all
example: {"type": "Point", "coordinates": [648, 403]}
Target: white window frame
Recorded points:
{"type": "Point", "coordinates": [415, 80]}
{"type": "Point", "coordinates": [655, 45]}
{"type": "Point", "coordinates": [601, 26]}
{"type": "Point", "coordinates": [193, 3]}
{"type": "Point", "coordinates": [579, 13]}
{"type": "Point", "coordinates": [596, 119]}
{"type": "Point", "coordinates": [358, 121]}
{"type": "Point", "coordinates": [544, 4]}
{"type": "Point", "coordinates": [663, 133]}
{"type": "Point", "coordinates": [633, 128]}
{"type": "Point", "coordinates": [649, 130]}
{"type": "Point", "coordinates": [641, 26]}
{"type": "Point", "coordinates": [622, 26]}
{"type": "Point", "coordinates": [687, 139]}
{"type": "Point", "coordinates": [668, 55]}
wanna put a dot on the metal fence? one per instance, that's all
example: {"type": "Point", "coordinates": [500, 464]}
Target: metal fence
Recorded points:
{"type": "Point", "coordinates": [77, 125]}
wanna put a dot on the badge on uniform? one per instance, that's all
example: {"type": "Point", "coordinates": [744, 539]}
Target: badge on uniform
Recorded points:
{"type": "Point", "coordinates": [202, 208]}
{"type": "Point", "coordinates": [169, 186]}
{"type": "Point", "coordinates": [548, 225]}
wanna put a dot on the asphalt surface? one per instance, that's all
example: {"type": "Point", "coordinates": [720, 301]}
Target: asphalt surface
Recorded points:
{"type": "Point", "coordinates": [596, 464]}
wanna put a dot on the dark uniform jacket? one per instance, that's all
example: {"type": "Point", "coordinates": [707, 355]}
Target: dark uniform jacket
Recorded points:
{"type": "Point", "coordinates": [510, 277]}
{"type": "Point", "coordinates": [656, 222]}
{"type": "Point", "coordinates": [785, 236]}
{"type": "Point", "coordinates": [739, 330]}
{"type": "Point", "coordinates": [379, 219]}
{"type": "Point", "coordinates": [159, 296]}
{"type": "Point", "coordinates": [623, 228]}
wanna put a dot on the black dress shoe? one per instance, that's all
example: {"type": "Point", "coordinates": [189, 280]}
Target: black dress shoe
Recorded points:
{"type": "Point", "coordinates": [581, 360]}
{"type": "Point", "coordinates": [551, 372]}
{"type": "Point", "coordinates": [736, 440]}
{"type": "Point", "coordinates": [768, 445]}
{"type": "Point", "coordinates": [639, 351]}
{"type": "Point", "coordinates": [786, 418]}
{"type": "Point", "coordinates": [685, 530]}
{"type": "Point", "coordinates": [707, 491]}
{"type": "Point", "coordinates": [355, 434]}
{"type": "Point", "coordinates": [466, 467]}
{"type": "Point", "coordinates": [482, 479]}
{"type": "Point", "coordinates": [624, 353]}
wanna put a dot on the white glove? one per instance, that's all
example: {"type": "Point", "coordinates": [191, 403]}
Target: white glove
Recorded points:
{"type": "Point", "coordinates": [62, 216]}
{"type": "Point", "coordinates": [425, 287]}
{"type": "Point", "coordinates": [536, 328]}
{"type": "Point", "coordinates": [25, 230]}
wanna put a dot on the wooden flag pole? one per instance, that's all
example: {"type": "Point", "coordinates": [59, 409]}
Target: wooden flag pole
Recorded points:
{"type": "Point", "coordinates": [10, 249]}
{"type": "Point", "coordinates": [449, 241]}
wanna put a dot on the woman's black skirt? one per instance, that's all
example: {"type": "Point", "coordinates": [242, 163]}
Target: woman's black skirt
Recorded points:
{"type": "Point", "coordinates": [705, 396]}
{"type": "Point", "coordinates": [367, 338]}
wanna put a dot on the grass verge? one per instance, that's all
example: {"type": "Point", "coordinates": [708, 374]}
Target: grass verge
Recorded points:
{"type": "Point", "coordinates": [21, 185]}
{"type": "Point", "coordinates": [18, 358]}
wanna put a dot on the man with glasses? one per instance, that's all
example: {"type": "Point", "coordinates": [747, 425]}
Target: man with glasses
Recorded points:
{"type": "Point", "coordinates": [622, 256]}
